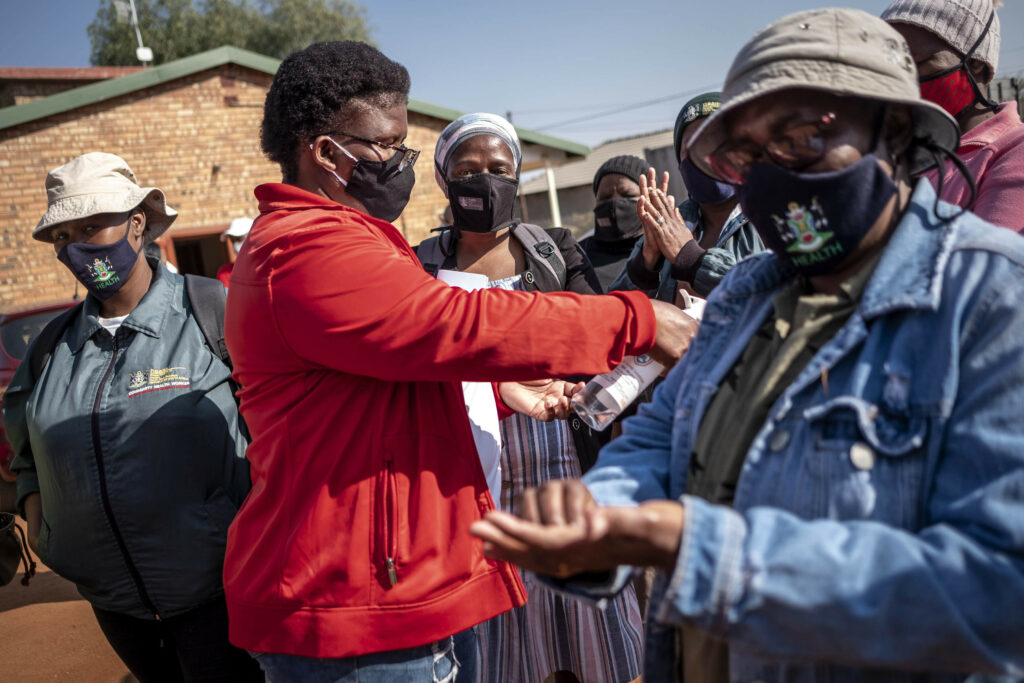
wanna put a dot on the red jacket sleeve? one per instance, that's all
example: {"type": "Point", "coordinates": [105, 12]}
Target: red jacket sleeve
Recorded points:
{"type": "Point", "coordinates": [345, 297]}
{"type": "Point", "coordinates": [503, 409]}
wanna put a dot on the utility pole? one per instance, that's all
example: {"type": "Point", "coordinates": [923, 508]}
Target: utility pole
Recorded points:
{"type": "Point", "coordinates": [143, 53]}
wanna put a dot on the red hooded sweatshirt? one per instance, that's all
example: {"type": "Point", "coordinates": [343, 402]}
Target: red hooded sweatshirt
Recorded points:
{"type": "Point", "coordinates": [355, 537]}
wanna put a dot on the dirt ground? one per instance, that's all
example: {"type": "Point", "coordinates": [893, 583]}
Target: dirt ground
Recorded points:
{"type": "Point", "coordinates": [48, 633]}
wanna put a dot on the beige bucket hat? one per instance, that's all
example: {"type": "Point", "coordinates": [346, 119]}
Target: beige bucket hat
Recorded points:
{"type": "Point", "coordinates": [841, 51]}
{"type": "Point", "coordinates": [96, 183]}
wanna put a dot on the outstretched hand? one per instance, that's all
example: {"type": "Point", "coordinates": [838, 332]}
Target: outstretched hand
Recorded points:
{"type": "Point", "coordinates": [541, 399]}
{"type": "Point", "coordinates": [562, 532]}
{"type": "Point", "coordinates": [674, 333]}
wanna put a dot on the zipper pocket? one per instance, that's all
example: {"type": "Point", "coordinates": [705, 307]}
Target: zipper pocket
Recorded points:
{"type": "Point", "coordinates": [389, 515]}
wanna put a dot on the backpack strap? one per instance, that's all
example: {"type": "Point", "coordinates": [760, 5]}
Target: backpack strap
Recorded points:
{"type": "Point", "coordinates": [46, 342]}
{"type": "Point", "coordinates": [430, 253]}
{"type": "Point", "coordinates": [551, 275]}
{"type": "Point", "coordinates": [206, 294]}
{"type": "Point", "coordinates": [208, 298]}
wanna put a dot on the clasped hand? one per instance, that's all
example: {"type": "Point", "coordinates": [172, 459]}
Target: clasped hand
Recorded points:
{"type": "Point", "coordinates": [665, 231]}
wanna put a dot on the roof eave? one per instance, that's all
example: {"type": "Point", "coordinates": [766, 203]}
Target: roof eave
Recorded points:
{"type": "Point", "coordinates": [180, 68]}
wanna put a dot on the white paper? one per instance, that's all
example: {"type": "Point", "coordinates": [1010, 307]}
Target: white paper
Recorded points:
{"type": "Point", "coordinates": [467, 281]}
{"type": "Point", "coordinates": [479, 398]}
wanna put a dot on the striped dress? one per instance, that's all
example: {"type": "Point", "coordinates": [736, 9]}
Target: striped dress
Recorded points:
{"type": "Point", "coordinates": [553, 633]}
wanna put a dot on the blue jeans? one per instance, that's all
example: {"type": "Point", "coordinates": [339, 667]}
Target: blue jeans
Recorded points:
{"type": "Point", "coordinates": [446, 661]}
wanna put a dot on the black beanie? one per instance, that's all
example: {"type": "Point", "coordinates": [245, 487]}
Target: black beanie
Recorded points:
{"type": "Point", "coordinates": [628, 165]}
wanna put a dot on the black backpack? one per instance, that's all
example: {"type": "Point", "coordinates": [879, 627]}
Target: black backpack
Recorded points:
{"type": "Point", "coordinates": [208, 298]}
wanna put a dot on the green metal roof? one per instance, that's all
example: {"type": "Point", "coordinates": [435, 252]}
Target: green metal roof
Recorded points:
{"type": "Point", "coordinates": [147, 78]}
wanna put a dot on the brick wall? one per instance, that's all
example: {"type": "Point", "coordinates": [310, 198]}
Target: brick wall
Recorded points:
{"type": "Point", "coordinates": [19, 85]}
{"type": "Point", "coordinates": [428, 201]}
{"type": "Point", "coordinates": [13, 93]}
{"type": "Point", "coordinates": [196, 138]}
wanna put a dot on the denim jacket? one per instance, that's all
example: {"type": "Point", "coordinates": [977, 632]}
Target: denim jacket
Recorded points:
{"type": "Point", "coordinates": [878, 524]}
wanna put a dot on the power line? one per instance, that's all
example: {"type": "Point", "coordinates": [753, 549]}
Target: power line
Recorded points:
{"type": "Point", "coordinates": [629, 107]}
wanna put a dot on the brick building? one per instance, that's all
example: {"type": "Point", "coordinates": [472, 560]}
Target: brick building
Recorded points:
{"type": "Point", "coordinates": [189, 127]}
{"type": "Point", "coordinates": [19, 85]}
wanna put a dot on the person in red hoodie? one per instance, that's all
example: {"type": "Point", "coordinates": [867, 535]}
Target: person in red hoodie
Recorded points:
{"type": "Point", "coordinates": [352, 556]}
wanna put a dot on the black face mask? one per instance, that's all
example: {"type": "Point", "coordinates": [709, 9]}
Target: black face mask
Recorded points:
{"type": "Point", "coordinates": [701, 187]}
{"type": "Point", "coordinates": [482, 202]}
{"type": "Point", "coordinates": [815, 221]}
{"type": "Point", "coordinates": [616, 219]}
{"type": "Point", "coordinates": [380, 186]}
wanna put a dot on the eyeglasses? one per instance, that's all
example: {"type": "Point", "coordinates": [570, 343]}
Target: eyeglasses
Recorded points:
{"type": "Point", "coordinates": [408, 156]}
{"type": "Point", "coordinates": [796, 147]}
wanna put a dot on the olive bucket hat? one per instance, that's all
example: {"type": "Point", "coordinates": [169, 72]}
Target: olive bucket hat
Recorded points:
{"type": "Point", "coordinates": [96, 183]}
{"type": "Point", "coordinates": [845, 52]}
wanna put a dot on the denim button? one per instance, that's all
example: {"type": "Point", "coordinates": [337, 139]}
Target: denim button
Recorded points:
{"type": "Point", "coordinates": [862, 457]}
{"type": "Point", "coordinates": [780, 439]}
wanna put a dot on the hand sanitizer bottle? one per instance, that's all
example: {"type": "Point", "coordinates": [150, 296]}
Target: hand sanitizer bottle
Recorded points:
{"type": "Point", "coordinates": [606, 396]}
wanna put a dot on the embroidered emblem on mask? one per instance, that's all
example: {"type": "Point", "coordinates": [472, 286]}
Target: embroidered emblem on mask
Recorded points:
{"type": "Point", "coordinates": [807, 227]}
{"type": "Point", "coordinates": [102, 273]}
{"type": "Point", "coordinates": [140, 382]}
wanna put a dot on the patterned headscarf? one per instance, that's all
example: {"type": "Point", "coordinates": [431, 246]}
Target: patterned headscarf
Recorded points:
{"type": "Point", "coordinates": [465, 127]}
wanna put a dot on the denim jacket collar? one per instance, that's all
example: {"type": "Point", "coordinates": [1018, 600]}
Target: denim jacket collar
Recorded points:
{"type": "Point", "coordinates": [147, 318]}
{"type": "Point", "coordinates": [908, 275]}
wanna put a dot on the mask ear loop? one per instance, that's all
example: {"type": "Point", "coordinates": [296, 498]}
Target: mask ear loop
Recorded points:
{"type": "Point", "coordinates": [979, 97]}
{"type": "Point", "coordinates": [939, 154]}
{"type": "Point", "coordinates": [344, 183]}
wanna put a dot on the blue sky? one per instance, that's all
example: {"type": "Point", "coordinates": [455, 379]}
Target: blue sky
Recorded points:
{"type": "Point", "coordinates": [549, 63]}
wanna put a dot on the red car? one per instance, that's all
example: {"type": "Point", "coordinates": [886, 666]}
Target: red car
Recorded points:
{"type": "Point", "coordinates": [17, 329]}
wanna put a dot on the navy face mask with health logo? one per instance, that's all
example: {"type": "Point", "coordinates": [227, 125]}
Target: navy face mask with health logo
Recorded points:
{"type": "Point", "coordinates": [814, 221]}
{"type": "Point", "coordinates": [101, 268]}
